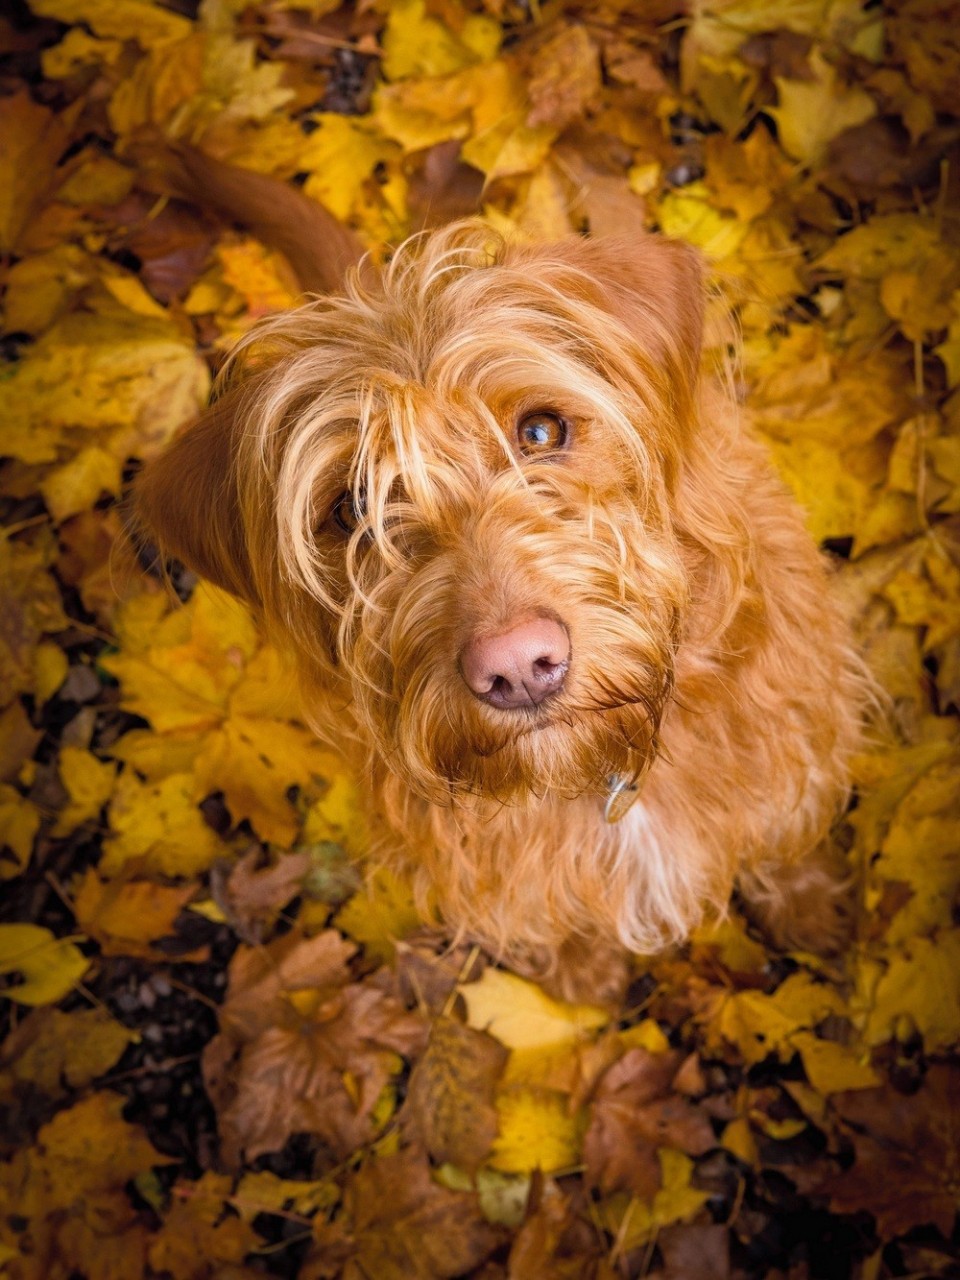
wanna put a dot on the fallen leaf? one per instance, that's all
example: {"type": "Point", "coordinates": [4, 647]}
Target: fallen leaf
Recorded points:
{"type": "Point", "coordinates": [635, 1112]}
{"type": "Point", "coordinates": [127, 917]}
{"type": "Point", "coordinates": [54, 1052]}
{"type": "Point", "coordinates": [451, 1097]}
{"type": "Point", "coordinates": [49, 967]}
{"type": "Point", "coordinates": [32, 140]}
{"type": "Point", "coordinates": [907, 1166]}
{"type": "Point", "coordinates": [403, 1226]}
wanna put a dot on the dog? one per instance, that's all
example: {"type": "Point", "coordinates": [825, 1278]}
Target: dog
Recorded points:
{"type": "Point", "coordinates": [542, 590]}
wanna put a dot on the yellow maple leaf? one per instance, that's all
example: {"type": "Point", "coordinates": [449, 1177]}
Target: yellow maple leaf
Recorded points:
{"type": "Point", "coordinates": [417, 45]}
{"type": "Point", "coordinates": [50, 966]}
{"type": "Point", "coordinates": [85, 1149]}
{"type": "Point", "coordinates": [141, 20]}
{"type": "Point", "coordinates": [632, 1222]}
{"type": "Point", "coordinates": [81, 482]}
{"type": "Point", "coordinates": [887, 243]}
{"type": "Point", "coordinates": [922, 849]}
{"type": "Point", "coordinates": [156, 756]}
{"type": "Point", "coordinates": [31, 606]}
{"type": "Point", "coordinates": [814, 112]}
{"type": "Point", "coordinates": [254, 763]}
{"type": "Point", "coordinates": [760, 1024]}
{"type": "Point", "coordinates": [76, 51]}
{"type": "Point", "coordinates": [19, 824]}
{"type": "Point", "coordinates": [41, 286]}
{"type": "Point", "coordinates": [50, 667]}
{"type": "Point", "coordinates": [538, 1030]}
{"type": "Point", "coordinates": [925, 594]}
{"type": "Point", "coordinates": [89, 784]}
{"type": "Point", "coordinates": [158, 826]}
{"type": "Point", "coordinates": [262, 278]}
{"type": "Point", "coordinates": [647, 1034]}
{"type": "Point", "coordinates": [264, 1192]}
{"type": "Point", "coordinates": [56, 1051]}
{"type": "Point", "coordinates": [692, 215]}
{"type": "Point", "coordinates": [161, 87]}
{"type": "Point", "coordinates": [179, 674]}
{"type": "Point", "coordinates": [340, 157]}
{"type": "Point", "coordinates": [380, 914]}
{"type": "Point", "coordinates": [919, 981]}
{"type": "Point", "coordinates": [125, 917]}
{"type": "Point", "coordinates": [537, 1130]}
{"type": "Point", "coordinates": [96, 372]}
{"type": "Point", "coordinates": [832, 1067]}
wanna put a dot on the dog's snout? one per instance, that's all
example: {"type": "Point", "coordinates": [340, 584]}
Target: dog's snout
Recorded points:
{"type": "Point", "coordinates": [519, 667]}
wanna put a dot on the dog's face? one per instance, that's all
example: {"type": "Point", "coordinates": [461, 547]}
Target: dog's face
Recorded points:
{"type": "Point", "coordinates": [453, 494]}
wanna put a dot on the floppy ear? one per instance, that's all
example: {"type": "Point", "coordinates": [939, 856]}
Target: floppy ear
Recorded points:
{"type": "Point", "coordinates": [653, 286]}
{"type": "Point", "coordinates": [188, 500]}
{"type": "Point", "coordinates": [656, 279]}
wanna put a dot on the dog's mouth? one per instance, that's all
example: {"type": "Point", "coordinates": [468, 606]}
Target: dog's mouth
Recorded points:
{"type": "Point", "coordinates": [564, 748]}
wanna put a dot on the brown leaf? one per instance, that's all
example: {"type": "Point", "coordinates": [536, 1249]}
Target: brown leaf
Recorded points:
{"type": "Point", "coordinates": [251, 896]}
{"type": "Point", "coordinates": [403, 1226]}
{"type": "Point", "coordinates": [18, 740]}
{"type": "Point", "coordinates": [907, 1167]}
{"type": "Point", "coordinates": [32, 140]}
{"type": "Point", "coordinates": [636, 1111]}
{"type": "Point", "coordinates": [696, 1252]}
{"type": "Point", "coordinates": [427, 969]}
{"type": "Point", "coordinates": [198, 1238]}
{"type": "Point", "coordinates": [565, 78]}
{"type": "Point", "coordinates": [450, 1104]}
{"type": "Point", "coordinates": [172, 243]}
{"type": "Point", "coordinates": [102, 1240]}
{"type": "Point", "coordinates": [261, 977]}
{"type": "Point", "coordinates": [317, 1065]}
{"type": "Point", "coordinates": [553, 1243]}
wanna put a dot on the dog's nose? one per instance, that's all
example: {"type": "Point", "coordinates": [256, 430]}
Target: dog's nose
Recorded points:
{"type": "Point", "coordinates": [519, 667]}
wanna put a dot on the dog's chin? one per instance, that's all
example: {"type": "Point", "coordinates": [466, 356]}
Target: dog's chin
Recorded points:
{"type": "Point", "coordinates": [544, 752]}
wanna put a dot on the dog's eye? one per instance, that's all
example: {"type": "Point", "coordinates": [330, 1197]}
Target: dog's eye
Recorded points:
{"type": "Point", "coordinates": [347, 512]}
{"type": "Point", "coordinates": [541, 433]}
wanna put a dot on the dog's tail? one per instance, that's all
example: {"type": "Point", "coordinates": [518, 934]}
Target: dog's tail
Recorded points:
{"type": "Point", "coordinates": [319, 249]}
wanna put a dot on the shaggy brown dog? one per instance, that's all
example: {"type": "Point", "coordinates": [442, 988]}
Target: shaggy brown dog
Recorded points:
{"type": "Point", "coordinates": [542, 590]}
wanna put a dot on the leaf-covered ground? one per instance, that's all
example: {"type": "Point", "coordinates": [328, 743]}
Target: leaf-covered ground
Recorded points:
{"type": "Point", "coordinates": [219, 1056]}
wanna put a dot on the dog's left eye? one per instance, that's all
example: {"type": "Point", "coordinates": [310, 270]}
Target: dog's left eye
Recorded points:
{"type": "Point", "coordinates": [541, 433]}
{"type": "Point", "coordinates": [347, 512]}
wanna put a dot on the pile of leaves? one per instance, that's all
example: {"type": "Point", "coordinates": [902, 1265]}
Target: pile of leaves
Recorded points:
{"type": "Point", "coordinates": [220, 1055]}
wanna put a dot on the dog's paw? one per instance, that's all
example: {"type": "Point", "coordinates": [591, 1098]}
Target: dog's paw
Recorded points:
{"type": "Point", "coordinates": [588, 971]}
{"type": "Point", "coordinates": [810, 907]}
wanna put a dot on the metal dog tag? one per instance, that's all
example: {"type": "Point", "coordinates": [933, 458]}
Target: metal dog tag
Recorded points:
{"type": "Point", "coordinates": [623, 795]}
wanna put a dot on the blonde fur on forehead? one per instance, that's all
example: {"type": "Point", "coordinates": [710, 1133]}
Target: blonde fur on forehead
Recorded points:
{"type": "Point", "coordinates": [393, 381]}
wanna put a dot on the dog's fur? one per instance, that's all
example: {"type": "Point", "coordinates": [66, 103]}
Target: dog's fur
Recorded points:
{"type": "Point", "coordinates": [707, 663]}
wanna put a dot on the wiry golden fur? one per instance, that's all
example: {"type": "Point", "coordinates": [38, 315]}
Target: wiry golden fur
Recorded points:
{"type": "Point", "coordinates": [707, 660]}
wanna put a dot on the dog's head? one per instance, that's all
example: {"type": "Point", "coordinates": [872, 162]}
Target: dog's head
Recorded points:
{"type": "Point", "coordinates": [453, 493]}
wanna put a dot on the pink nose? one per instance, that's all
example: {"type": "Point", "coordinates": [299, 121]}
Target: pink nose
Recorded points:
{"type": "Point", "coordinates": [519, 667]}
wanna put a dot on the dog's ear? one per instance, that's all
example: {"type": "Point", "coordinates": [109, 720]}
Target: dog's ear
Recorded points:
{"type": "Point", "coordinates": [187, 500]}
{"type": "Point", "coordinates": [656, 288]}
{"type": "Point", "coordinates": [654, 277]}
{"type": "Point", "coordinates": [652, 286]}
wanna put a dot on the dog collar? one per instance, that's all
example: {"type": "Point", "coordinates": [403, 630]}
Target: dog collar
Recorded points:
{"type": "Point", "coordinates": [621, 796]}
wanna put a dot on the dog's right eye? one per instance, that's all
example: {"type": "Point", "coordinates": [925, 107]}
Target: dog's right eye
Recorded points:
{"type": "Point", "coordinates": [542, 433]}
{"type": "Point", "coordinates": [347, 512]}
